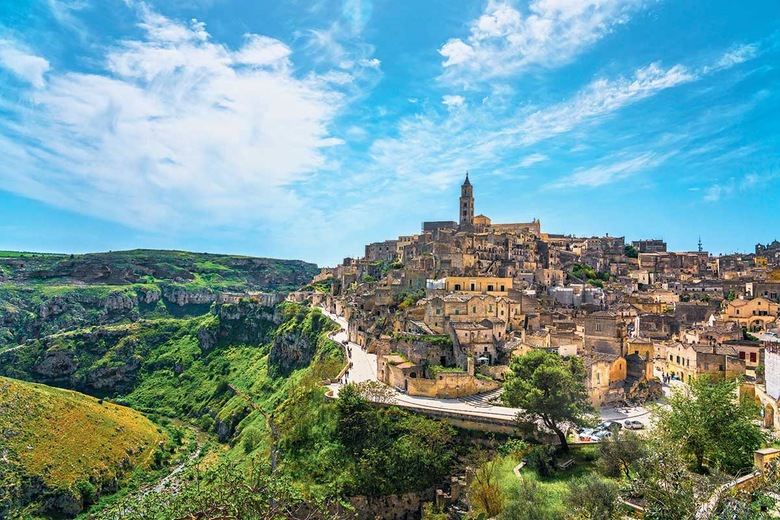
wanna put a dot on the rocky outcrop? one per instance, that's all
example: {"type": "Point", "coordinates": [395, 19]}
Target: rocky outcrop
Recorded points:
{"type": "Point", "coordinates": [115, 378]}
{"type": "Point", "coordinates": [182, 296]}
{"type": "Point", "coordinates": [57, 364]}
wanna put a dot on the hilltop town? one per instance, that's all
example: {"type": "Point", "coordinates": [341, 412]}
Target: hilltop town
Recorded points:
{"type": "Point", "coordinates": [446, 309]}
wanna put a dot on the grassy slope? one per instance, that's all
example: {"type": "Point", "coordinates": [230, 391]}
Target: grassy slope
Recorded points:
{"type": "Point", "coordinates": [65, 437]}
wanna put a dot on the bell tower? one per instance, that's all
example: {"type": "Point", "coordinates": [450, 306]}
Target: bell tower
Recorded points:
{"type": "Point", "coordinates": [466, 206]}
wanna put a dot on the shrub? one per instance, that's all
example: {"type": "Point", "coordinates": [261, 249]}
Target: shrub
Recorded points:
{"type": "Point", "coordinates": [250, 439]}
{"type": "Point", "coordinates": [541, 459]}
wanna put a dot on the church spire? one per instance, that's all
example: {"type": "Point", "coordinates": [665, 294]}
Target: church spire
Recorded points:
{"type": "Point", "coordinates": [466, 205]}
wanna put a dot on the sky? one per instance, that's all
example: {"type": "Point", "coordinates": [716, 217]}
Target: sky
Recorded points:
{"type": "Point", "coordinates": [307, 129]}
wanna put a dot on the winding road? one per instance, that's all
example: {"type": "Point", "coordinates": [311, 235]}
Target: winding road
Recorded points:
{"type": "Point", "coordinates": [364, 369]}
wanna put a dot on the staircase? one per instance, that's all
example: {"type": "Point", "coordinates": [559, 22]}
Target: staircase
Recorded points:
{"type": "Point", "coordinates": [482, 400]}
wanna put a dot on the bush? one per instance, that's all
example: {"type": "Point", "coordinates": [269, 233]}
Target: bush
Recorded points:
{"type": "Point", "coordinates": [593, 497]}
{"type": "Point", "coordinates": [86, 491]}
{"type": "Point", "coordinates": [250, 439]}
{"type": "Point", "coordinates": [513, 448]}
{"type": "Point", "coordinates": [541, 459]}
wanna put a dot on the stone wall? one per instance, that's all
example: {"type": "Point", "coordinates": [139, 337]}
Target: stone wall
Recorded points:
{"type": "Point", "coordinates": [450, 385]}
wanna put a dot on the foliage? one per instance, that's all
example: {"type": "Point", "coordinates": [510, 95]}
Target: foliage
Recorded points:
{"type": "Point", "coordinates": [438, 340]}
{"type": "Point", "coordinates": [630, 251]}
{"type": "Point", "coordinates": [228, 491]}
{"type": "Point", "coordinates": [585, 272]}
{"type": "Point", "coordinates": [528, 501]}
{"type": "Point", "coordinates": [731, 296]}
{"type": "Point", "coordinates": [710, 424]}
{"type": "Point", "coordinates": [618, 454]}
{"type": "Point", "coordinates": [513, 448]}
{"type": "Point", "coordinates": [548, 388]}
{"type": "Point", "coordinates": [393, 451]}
{"type": "Point", "coordinates": [592, 497]}
{"type": "Point", "coordinates": [669, 489]}
{"type": "Point", "coordinates": [541, 458]}
{"type": "Point", "coordinates": [485, 493]}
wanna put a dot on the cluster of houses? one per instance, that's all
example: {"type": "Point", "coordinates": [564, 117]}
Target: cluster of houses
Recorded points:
{"type": "Point", "coordinates": [445, 310]}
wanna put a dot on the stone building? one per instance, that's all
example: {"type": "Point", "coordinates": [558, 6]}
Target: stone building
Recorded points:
{"type": "Point", "coordinates": [652, 245]}
{"type": "Point", "coordinates": [689, 361]}
{"type": "Point", "coordinates": [754, 315]}
{"type": "Point", "coordinates": [604, 332]}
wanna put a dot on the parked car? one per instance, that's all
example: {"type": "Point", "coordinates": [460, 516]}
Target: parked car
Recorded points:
{"type": "Point", "coordinates": [612, 426]}
{"type": "Point", "coordinates": [601, 435]}
{"type": "Point", "coordinates": [633, 425]}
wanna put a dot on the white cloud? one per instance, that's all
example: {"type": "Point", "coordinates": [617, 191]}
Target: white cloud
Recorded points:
{"type": "Point", "coordinates": [178, 132]}
{"type": "Point", "coordinates": [453, 101]}
{"type": "Point", "coordinates": [530, 160]}
{"type": "Point", "coordinates": [609, 173]}
{"type": "Point", "coordinates": [738, 55]}
{"type": "Point", "coordinates": [503, 40]}
{"type": "Point", "coordinates": [23, 63]}
{"type": "Point", "coordinates": [600, 98]}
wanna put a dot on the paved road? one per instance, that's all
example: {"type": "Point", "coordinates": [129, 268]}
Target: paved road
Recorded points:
{"type": "Point", "coordinates": [364, 369]}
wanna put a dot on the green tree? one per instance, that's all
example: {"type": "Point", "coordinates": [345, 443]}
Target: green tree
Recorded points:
{"type": "Point", "coordinates": [630, 251]}
{"type": "Point", "coordinates": [617, 455]}
{"type": "Point", "coordinates": [592, 497]}
{"type": "Point", "coordinates": [550, 389]}
{"type": "Point", "coordinates": [709, 423]}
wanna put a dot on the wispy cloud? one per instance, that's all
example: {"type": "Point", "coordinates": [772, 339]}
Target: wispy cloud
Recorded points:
{"type": "Point", "coordinates": [503, 40]}
{"type": "Point", "coordinates": [735, 185]}
{"type": "Point", "coordinates": [600, 98]}
{"type": "Point", "coordinates": [610, 172]}
{"type": "Point", "coordinates": [23, 63]}
{"type": "Point", "coordinates": [530, 160]}
{"type": "Point", "coordinates": [176, 131]}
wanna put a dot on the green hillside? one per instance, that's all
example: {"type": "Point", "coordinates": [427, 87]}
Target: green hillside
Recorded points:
{"type": "Point", "coordinates": [61, 449]}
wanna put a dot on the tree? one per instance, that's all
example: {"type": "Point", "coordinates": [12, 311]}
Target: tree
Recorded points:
{"type": "Point", "coordinates": [669, 489]}
{"type": "Point", "coordinates": [485, 493]}
{"type": "Point", "coordinates": [592, 497]}
{"type": "Point", "coordinates": [630, 251]}
{"type": "Point", "coordinates": [617, 455]}
{"type": "Point", "coordinates": [709, 423]}
{"type": "Point", "coordinates": [549, 389]}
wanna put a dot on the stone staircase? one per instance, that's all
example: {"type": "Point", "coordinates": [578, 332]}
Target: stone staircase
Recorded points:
{"type": "Point", "coordinates": [482, 400]}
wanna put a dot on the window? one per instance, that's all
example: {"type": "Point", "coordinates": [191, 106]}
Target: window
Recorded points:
{"type": "Point", "coordinates": [737, 311]}
{"type": "Point", "coordinates": [598, 327]}
{"type": "Point", "coordinates": [678, 360]}
{"type": "Point", "coordinates": [502, 288]}
{"type": "Point", "coordinates": [438, 311]}
{"type": "Point", "coordinates": [473, 287]}
{"type": "Point", "coordinates": [474, 309]}
{"type": "Point", "coordinates": [502, 313]}
{"type": "Point", "coordinates": [457, 287]}
{"type": "Point", "coordinates": [741, 355]}
{"type": "Point", "coordinates": [752, 357]}
{"type": "Point", "coordinates": [706, 366]}
{"type": "Point", "coordinates": [490, 308]}
{"type": "Point", "coordinates": [721, 368]}
{"type": "Point", "coordinates": [490, 288]}
{"type": "Point", "coordinates": [457, 311]}
{"type": "Point", "coordinates": [671, 357]}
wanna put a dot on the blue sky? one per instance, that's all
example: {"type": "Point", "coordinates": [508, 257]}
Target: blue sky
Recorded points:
{"type": "Point", "coordinates": [305, 129]}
